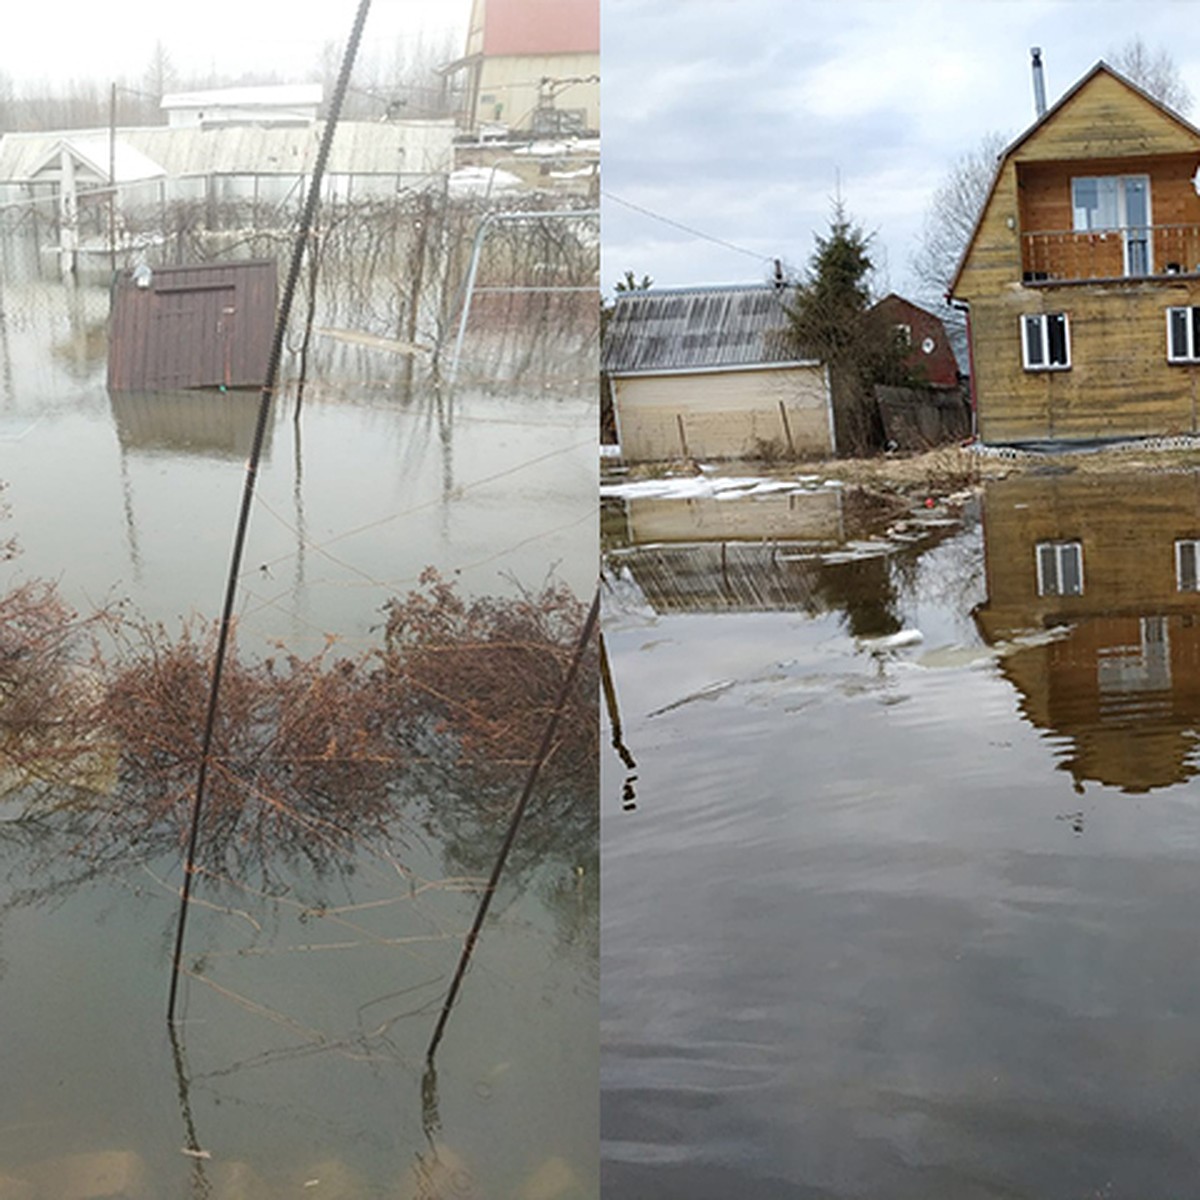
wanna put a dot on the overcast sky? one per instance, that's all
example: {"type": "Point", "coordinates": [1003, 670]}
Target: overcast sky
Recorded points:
{"type": "Point", "coordinates": [105, 39]}
{"type": "Point", "coordinates": [738, 118]}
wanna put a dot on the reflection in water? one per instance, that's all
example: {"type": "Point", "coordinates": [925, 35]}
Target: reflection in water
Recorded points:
{"type": "Point", "coordinates": [199, 1185]}
{"type": "Point", "coordinates": [791, 516]}
{"type": "Point", "coordinates": [6, 365]}
{"type": "Point", "coordinates": [205, 422]}
{"type": "Point", "coordinates": [861, 886]}
{"type": "Point", "coordinates": [327, 918]}
{"type": "Point", "coordinates": [1107, 565]}
{"type": "Point", "coordinates": [785, 550]}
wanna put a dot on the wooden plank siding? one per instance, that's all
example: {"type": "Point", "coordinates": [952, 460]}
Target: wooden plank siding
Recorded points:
{"type": "Point", "coordinates": [1119, 383]}
{"type": "Point", "coordinates": [196, 326]}
{"type": "Point", "coordinates": [1123, 732]}
{"type": "Point", "coordinates": [1128, 532]}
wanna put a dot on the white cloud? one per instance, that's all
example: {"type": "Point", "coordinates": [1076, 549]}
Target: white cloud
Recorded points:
{"type": "Point", "coordinates": [738, 117]}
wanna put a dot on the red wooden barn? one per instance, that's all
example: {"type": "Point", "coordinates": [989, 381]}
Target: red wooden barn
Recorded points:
{"type": "Point", "coordinates": [931, 355]}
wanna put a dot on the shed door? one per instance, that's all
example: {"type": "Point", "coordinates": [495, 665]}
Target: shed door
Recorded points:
{"type": "Point", "coordinates": [191, 337]}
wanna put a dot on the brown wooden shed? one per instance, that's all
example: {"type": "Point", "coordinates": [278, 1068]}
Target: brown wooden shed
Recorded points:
{"type": "Point", "coordinates": [192, 327]}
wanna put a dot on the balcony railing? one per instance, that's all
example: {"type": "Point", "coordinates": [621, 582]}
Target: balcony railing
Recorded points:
{"type": "Point", "coordinates": [1148, 252]}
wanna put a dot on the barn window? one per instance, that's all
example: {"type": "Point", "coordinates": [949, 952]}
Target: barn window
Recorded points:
{"type": "Point", "coordinates": [1183, 335]}
{"type": "Point", "coordinates": [1045, 342]}
{"type": "Point", "coordinates": [1060, 568]}
{"type": "Point", "coordinates": [1187, 577]}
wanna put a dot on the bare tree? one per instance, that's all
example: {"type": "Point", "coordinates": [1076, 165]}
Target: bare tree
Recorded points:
{"type": "Point", "coordinates": [950, 220]}
{"type": "Point", "coordinates": [953, 210]}
{"type": "Point", "coordinates": [1154, 72]}
{"type": "Point", "coordinates": [7, 95]}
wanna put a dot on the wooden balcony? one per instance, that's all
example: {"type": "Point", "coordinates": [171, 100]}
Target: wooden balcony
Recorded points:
{"type": "Point", "coordinates": [1150, 252]}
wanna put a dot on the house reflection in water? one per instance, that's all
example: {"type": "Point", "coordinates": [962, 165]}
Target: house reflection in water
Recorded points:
{"type": "Point", "coordinates": [752, 552]}
{"type": "Point", "coordinates": [725, 552]}
{"type": "Point", "coordinates": [1113, 562]}
{"type": "Point", "coordinates": [211, 423]}
{"type": "Point", "coordinates": [778, 517]}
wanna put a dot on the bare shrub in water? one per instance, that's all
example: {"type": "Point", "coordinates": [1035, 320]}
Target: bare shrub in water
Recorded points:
{"type": "Point", "coordinates": [488, 672]}
{"type": "Point", "coordinates": [48, 725]}
{"type": "Point", "coordinates": [300, 756]}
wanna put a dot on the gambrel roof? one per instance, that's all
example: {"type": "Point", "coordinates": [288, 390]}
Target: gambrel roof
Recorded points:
{"type": "Point", "coordinates": [1167, 132]}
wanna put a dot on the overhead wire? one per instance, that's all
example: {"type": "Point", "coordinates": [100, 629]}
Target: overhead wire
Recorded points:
{"type": "Point", "coordinates": [708, 237]}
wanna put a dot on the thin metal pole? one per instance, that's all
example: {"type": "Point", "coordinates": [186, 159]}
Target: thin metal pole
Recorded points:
{"type": "Point", "coordinates": [514, 823]}
{"type": "Point", "coordinates": [477, 246]}
{"type": "Point", "coordinates": [614, 711]}
{"type": "Point", "coordinates": [239, 541]}
{"type": "Point", "coordinates": [112, 179]}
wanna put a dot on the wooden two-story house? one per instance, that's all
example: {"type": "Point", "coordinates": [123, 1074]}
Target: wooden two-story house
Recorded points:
{"type": "Point", "coordinates": [1082, 276]}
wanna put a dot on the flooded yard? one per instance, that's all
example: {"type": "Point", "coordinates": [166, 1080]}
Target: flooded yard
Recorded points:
{"type": "Point", "coordinates": [899, 891]}
{"type": "Point", "coordinates": [330, 908]}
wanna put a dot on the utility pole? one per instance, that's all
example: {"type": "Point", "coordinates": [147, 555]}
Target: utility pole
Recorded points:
{"type": "Point", "coordinates": [112, 179]}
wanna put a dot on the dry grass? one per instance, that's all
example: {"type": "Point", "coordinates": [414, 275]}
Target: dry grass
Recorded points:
{"type": "Point", "coordinates": [488, 673]}
{"type": "Point", "coordinates": [307, 753]}
{"type": "Point", "coordinates": [945, 469]}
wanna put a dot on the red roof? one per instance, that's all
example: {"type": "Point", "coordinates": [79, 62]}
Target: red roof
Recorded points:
{"type": "Point", "coordinates": [541, 27]}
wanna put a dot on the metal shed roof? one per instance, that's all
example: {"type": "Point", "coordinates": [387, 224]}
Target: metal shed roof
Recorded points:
{"type": "Point", "coordinates": [360, 147]}
{"type": "Point", "coordinates": [91, 151]}
{"type": "Point", "coordinates": [701, 328]}
{"type": "Point", "coordinates": [271, 96]}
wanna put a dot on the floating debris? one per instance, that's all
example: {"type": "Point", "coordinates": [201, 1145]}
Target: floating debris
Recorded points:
{"type": "Point", "coordinates": [893, 641]}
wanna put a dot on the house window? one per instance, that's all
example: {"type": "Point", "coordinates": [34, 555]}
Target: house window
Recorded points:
{"type": "Point", "coordinates": [1118, 203]}
{"type": "Point", "coordinates": [1187, 578]}
{"type": "Point", "coordinates": [1045, 342]}
{"type": "Point", "coordinates": [1183, 335]}
{"type": "Point", "coordinates": [1144, 666]}
{"type": "Point", "coordinates": [904, 335]}
{"type": "Point", "coordinates": [1060, 568]}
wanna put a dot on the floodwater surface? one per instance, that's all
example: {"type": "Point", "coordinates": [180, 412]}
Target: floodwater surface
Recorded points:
{"type": "Point", "coordinates": [900, 895]}
{"type": "Point", "coordinates": [317, 953]}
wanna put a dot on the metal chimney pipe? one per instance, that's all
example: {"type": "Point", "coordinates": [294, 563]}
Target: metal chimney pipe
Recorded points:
{"type": "Point", "coordinates": [1039, 84]}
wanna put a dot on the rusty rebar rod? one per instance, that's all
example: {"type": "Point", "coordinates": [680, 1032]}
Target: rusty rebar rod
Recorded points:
{"type": "Point", "coordinates": [514, 824]}
{"type": "Point", "coordinates": [239, 541]}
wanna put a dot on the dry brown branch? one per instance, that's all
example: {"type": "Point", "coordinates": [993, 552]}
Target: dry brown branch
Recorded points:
{"type": "Point", "coordinates": [486, 674]}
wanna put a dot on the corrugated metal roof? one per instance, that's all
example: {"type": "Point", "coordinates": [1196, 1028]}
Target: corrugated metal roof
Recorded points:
{"type": "Point", "coordinates": [92, 152]}
{"type": "Point", "coordinates": [726, 577]}
{"type": "Point", "coordinates": [676, 329]}
{"type": "Point", "coordinates": [359, 147]}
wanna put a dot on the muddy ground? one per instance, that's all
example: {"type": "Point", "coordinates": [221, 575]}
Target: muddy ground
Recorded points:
{"type": "Point", "coordinates": [946, 470]}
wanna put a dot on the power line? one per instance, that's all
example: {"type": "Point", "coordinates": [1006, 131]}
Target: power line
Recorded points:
{"type": "Point", "coordinates": [686, 228]}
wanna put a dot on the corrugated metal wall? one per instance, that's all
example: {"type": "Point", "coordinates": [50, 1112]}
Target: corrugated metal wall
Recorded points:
{"type": "Point", "coordinates": [200, 326]}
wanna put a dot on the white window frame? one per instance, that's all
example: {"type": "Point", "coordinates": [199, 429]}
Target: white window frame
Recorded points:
{"type": "Point", "coordinates": [1040, 321]}
{"type": "Point", "coordinates": [1187, 547]}
{"type": "Point", "coordinates": [1061, 549]}
{"type": "Point", "coordinates": [1191, 334]}
{"type": "Point", "coordinates": [1131, 234]}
